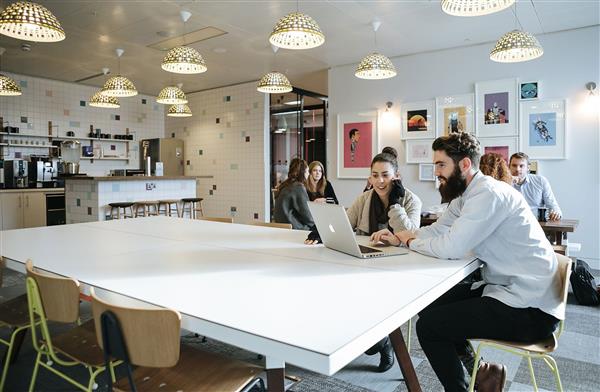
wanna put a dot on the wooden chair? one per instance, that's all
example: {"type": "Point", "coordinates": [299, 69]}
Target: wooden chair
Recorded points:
{"type": "Point", "coordinates": [536, 349]}
{"type": "Point", "coordinates": [117, 206]}
{"type": "Point", "coordinates": [216, 219]}
{"type": "Point", "coordinates": [273, 224]}
{"type": "Point", "coordinates": [13, 315]}
{"type": "Point", "coordinates": [53, 298]}
{"type": "Point", "coordinates": [150, 340]}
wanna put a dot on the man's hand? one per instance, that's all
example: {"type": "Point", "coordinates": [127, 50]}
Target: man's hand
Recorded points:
{"type": "Point", "coordinates": [405, 236]}
{"type": "Point", "coordinates": [385, 236]}
{"type": "Point", "coordinates": [554, 216]}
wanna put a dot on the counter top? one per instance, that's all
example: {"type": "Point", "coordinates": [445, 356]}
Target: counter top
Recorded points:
{"type": "Point", "coordinates": [21, 190]}
{"type": "Point", "coordinates": [133, 178]}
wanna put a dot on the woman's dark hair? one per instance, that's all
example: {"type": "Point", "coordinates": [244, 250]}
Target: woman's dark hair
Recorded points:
{"type": "Point", "coordinates": [459, 146]}
{"type": "Point", "coordinates": [385, 157]}
{"type": "Point", "coordinates": [494, 165]}
{"type": "Point", "coordinates": [296, 172]}
{"type": "Point", "coordinates": [390, 150]}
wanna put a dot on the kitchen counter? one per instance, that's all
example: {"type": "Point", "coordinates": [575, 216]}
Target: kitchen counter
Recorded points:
{"type": "Point", "coordinates": [133, 178]}
{"type": "Point", "coordinates": [21, 190]}
{"type": "Point", "coordinates": [87, 198]}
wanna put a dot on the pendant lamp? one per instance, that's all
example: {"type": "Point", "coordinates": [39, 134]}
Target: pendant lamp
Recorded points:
{"type": "Point", "coordinates": [375, 65]}
{"type": "Point", "coordinates": [297, 31]}
{"type": "Point", "coordinates": [171, 95]}
{"type": "Point", "coordinates": [184, 59]}
{"type": "Point", "coordinates": [119, 86]}
{"type": "Point", "coordinates": [474, 7]}
{"type": "Point", "coordinates": [8, 87]}
{"type": "Point", "coordinates": [29, 21]}
{"type": "Point", "coordinates": [179, 111]}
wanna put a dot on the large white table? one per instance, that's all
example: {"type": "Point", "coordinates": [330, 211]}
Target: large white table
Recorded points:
{"type": "Point", "coordinates": [233, 283]}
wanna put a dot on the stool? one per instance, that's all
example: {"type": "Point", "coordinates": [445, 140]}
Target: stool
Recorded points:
{"type": "Point", "coordinates": [145, 206]}
{"type": "Point", "coordinates": [194, 204]}
{"type": "Point", "coordinates": [167, 204]}
{"type": "Point", "coordinates": [121, 205]}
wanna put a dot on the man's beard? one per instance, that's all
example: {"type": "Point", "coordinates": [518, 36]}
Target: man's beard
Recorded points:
{"type": "Point", "coordinates": [454, 186]}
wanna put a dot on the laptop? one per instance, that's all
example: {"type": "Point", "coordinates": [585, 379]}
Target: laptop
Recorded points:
{"type": "Point", "coordinates": [337, 234]}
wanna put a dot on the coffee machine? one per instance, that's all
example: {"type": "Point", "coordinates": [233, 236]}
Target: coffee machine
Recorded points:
{"type": "Point", "coordinates": [15, 174]}
{"type": "Point", "coordinates": [42, 172]}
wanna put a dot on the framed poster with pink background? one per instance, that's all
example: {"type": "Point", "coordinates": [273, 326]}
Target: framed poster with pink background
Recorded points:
{"type": "Point", "coordinates": [357, 144]}
{"type": "Point", "coordinates": [505, 146]}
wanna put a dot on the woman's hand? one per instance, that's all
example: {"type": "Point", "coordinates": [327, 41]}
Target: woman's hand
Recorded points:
{"type": "Point", "coordinates": [320, 200]}
{"type": "Point", "coordinates": [313, 237]}
{"type": "Point", "coordinates": [385, 236]}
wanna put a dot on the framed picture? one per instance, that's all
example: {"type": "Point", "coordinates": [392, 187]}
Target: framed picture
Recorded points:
{"type": "Point", "coordinates": [426, 172]}
{"type": "Point", "coordinates": [357, 144]}
{"type": "Point", "coordinates": [543, 133]}
{"type": "Point", "coordinates": [455, 113]}
{"type": "Point", "coordinates": [419, 151]}
{"type": "Point", "coordinates": [505, 146]}
{"type": "Point", "coordinates": [418, 120]}
{"type": "Point", "coordinates": [529, 90]}
{"type": "Point", "coordinates": [496, 108]}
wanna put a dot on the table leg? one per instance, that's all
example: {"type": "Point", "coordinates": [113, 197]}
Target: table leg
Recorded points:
{"type": "Point", "coordinates": [559, 236]}
{"type": "Point", "coordinates": [275, 380]}
{"type": "Point", "coordinates": [406, 366]}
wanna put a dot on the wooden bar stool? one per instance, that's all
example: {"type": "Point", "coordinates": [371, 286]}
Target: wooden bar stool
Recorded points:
{"type": "Point", "coordinates": [193, 204]}
{"type": "Point", "coordinates": [167, 204]}
{"type": "Point", "coordinates": [147, 207]}
{"type": "Point", "coordinates": [121, 205]}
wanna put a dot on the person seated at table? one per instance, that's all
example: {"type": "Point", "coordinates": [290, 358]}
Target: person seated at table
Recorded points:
{"type": "Point", "coordinates": [387, 204]}
{"type": "Point", "coordinates": [494, 165]}
{"type": "Point", "coordinates": [291, 199]}
{"type": "Point", "coordinates": [386, 150]}
{"type": "Point", "coordinates": [490, 220]}
{"type": "Point", "coordinates": [319, 189]}
{"type": "Point", "coordinates": [535, 188]}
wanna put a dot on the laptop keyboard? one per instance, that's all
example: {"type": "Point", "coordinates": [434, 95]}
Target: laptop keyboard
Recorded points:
{"type": "Point", "coordinates": [366, 249]}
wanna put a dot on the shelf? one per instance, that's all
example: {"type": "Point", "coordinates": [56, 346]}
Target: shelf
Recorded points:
{"type": "Point", "coordinates": [25, 135]}
{"type": "Point", "coordinates": [29, 145]}
{"type": "Point", "coordinates": [107, 159]}
{"type": "Point", "coordinates": [90, 138]}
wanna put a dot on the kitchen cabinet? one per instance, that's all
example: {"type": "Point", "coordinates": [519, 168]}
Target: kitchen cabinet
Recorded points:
{"type": "Point", "coordinates": [22, 209]}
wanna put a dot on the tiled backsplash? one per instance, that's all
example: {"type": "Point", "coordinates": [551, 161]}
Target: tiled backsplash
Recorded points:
{"type": "Point", "coordinates": [225, 138]}
{"type": "Point", "coordinates": [67, 106]}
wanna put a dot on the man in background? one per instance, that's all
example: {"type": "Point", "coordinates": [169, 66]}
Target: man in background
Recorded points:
{"type": "Point", "coordinates": [535, 189]}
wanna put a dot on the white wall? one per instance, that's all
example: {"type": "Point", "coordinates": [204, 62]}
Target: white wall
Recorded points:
{"type": "Point", "coordinates": [227, 138]}
{"type": "Point", "coordinates": [67, 106]}
{"type": "Point", "coordinates": [571, 59]}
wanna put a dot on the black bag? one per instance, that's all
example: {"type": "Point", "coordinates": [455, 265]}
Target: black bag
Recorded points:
{"type": "Point", "coordinates": [583, 284]}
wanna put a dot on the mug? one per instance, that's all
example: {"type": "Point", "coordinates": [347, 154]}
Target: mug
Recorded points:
{"type": "Point", "coordinates": [542, 214]}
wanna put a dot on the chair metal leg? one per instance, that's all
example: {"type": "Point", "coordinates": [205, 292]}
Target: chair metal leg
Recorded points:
{"type": "Point", "coordinates": [532, 374]}
{"type": "Point", "coordinates": [35, 371]}
{"type": "Point", "coordinates": [16, 338]}
{"type": "Point", "coordinates": [475, 367]}
{"type": "Point", "coordinates": [554, 367]}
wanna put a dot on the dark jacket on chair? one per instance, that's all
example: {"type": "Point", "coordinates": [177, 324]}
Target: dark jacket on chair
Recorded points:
{"type": "Point", "coordinates": [291, 207]}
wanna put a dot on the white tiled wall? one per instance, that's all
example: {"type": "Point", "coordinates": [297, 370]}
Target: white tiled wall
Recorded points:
{"type": "Point", "coordinates": [231, 149]}
{"type": "Point", "coordinates": [66, 105]}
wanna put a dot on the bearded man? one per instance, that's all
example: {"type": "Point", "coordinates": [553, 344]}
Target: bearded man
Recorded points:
{"type": "Point", "coordinates": [515, 300]}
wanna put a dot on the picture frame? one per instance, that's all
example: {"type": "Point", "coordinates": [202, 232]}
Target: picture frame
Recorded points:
{"type": "Point", "coordinates": [543, 128]}
{"type": "Point", "coordinates": [529, 90]}
{"type": "Point", "coordinates": [419, 151]}
{"type": "Point", "coordinates": [354, 155]}
{"type": "Point", "coordinates": [505, 146]}
{"type": "Point", "coordinates": [418, 120]}
{"type": "Point", "coordinates": [496, 108]}
{"type": "Point", "coordinates": [426, 172]}
{"type": "Point", "coordinates": [455, 113]}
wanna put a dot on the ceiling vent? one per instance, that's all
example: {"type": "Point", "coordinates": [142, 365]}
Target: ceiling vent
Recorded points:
{"type": "Point", "coordinates": [190, 38]}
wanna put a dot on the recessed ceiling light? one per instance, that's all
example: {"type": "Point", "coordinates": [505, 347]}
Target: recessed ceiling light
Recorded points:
{"type": "Point", "coordinates": [220, 50]}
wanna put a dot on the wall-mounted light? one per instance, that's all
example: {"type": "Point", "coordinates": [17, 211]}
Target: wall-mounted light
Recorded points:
{"type": "Point", "coordinates": [592, 100]}
{"type": "Point", "coordinates": [388, 106]}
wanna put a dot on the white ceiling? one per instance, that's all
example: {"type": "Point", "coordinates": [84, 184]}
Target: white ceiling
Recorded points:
{"type": "Point", "coordinates": [95, 28]}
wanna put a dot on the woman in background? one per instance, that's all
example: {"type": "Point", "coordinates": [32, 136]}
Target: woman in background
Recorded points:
{"type": "Point", "coordinates": [319, 189]}
{"type": "Point", "coordinates": [493, 165]}
{"type": "Point", "coordinates": [291, 198]}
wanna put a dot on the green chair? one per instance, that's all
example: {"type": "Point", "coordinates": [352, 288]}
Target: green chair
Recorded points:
{"type": "Point", "coordinates": [53, 298]}
{"type": "Point", "coordinates": [537, 349]}
{"type": "Point", "coordinates": [13, 315]}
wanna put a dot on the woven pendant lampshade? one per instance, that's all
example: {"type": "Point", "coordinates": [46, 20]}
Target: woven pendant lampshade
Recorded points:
{"type": "Point", "coordinates": [184, 60]}
{"type": "Point", "coordinates": [375, 66]}
{"type": "Point", "coordinates": [171, 96]}
{"type": "Point", "coordinates": [119, 86]}
{"type": "Point", "coordinates": [516, 46]}
{"type": "Point", "coordinates": [29, 21]}
{"type": "Point", "coordinates": [297, 31]}
{"type": "Point", "coordinates": [474, 7]}
{"type": "Point", "coordinates": [179, 111]}
{"type": "Point", "coordinates": [9, 87]}
{"type": "Point", "coordinates": [274, 82]}
{"type": "Point", "coordinates": [99, 100]}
